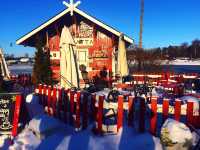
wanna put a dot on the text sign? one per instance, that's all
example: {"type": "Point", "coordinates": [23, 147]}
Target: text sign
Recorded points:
{"type": "Point", "coordinates": [9, 112]}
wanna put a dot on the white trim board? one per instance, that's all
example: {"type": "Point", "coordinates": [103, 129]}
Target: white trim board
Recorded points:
{"type": "Point", "coordinates": [108, 28]}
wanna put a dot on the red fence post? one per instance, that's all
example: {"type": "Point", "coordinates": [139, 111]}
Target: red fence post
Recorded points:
{"type": "Point", "coordinates": [198, 120]}
{"type": "Point", "coordinates": [189, 115]}
{"type": "Point", "coordinates": [54, 101]}
{"type": "Point", "coordinates": [153, 121]}
{"type": "Point", "coordinates": [130, 110]}
{"type": "Point", "coordinates": [85, 111]}
{"type": "Point", "coordinates": [78, 99]}
{"type": "Point", "coordinates": [71, 107]}
{"type": "Point", "coordinates": [120, 112]}
{"type": "Point", "coordinates": [65, 100]}
{"type": "Point", "coordinates": [44, 97]}
{"type": "Point", "coordinates": [59, 109]}
{"type": "Point", "coordinates": [100, 113]}
{"type": "Point", "coordinates": [93, 108]}
{"type": "Point", "coordinates": [49, 101]}
{"type": "Point", "coordinates": [177, 110]}
{"type": "Point", "coordinates": [165, 110]}
{"type": "Point", "coordinates": [16, 115]}
{"type": "Point", "coordinates": [40, 93]}
{"type": "Point", "coordinates": [142, 115]}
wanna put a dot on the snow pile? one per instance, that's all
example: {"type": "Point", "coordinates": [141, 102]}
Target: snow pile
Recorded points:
{"type": "Point", "coordinates": [26, 140]}
{"type": "Point", "coordinates": [33, 106]}
{"type": "Point", "coordinates": [4, 142]}
{"type": "Point", "coordinates": [195, 101]}
{"type": "Point", "coordinates": [158, 91]}
{"type": "Point", "coordinates": [43, 125]}
{"type": "Point", "coordinates": [176, 134]}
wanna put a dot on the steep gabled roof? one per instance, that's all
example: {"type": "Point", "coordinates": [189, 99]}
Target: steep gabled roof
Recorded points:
{"type": "Point", "coordinates": [80, 12]}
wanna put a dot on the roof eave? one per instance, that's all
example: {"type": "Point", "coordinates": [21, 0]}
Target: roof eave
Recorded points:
{"type": "Point", "coordinates": [27, 36]}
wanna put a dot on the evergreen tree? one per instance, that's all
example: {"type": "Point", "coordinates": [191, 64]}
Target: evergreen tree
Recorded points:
{"type": "Point", "coordinates": [41, 70]}
{"type": "Point", "coordinates": [47, 69]}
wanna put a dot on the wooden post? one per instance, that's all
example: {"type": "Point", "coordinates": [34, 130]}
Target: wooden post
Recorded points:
{"type": "Point", "coordinates": [71, 107]}
{"type": "Point", "coordinates": [40, 93]}
{"type": "Point", "coordinates": [130, 110]}
{"type": "Point", "coordinates": [142, 115]}
{"type": "Point", "coordinates": [65, 101]}
{"type": "Point", "coordinates": [49, 101]}
{"type": "Point", "coordinates": [153, 121]}
{"type": "Point", "coordinates": [120, 112]}
{"type": "Point", "coordinates": [93, 108]}
{"type": "Point", "coordinates": [198, 122]}
{"type": "Point", "coordinates": [78, 99]}
{"type": "Point", "coordinates": [189, 115]}
{"type": "Point", "coordinates": [165, 110]}
{"type": "Point", "coordinates": [54, 102]}
{"type": "Point", "coordinates": [85, 111]}
{"type": "Point", "coordinates": [59, 109]}
{"type": "Point", "coordinates": [44, 97]}
{"type": "Point", "coordinates": [16, 115]}
{"type": "Point", "coordinates": [100, 113]}
{"type": "Point", "coordinates": [177, 110]}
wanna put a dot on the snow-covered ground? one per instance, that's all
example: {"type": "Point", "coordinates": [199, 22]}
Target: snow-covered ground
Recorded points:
{"type": "Point", "coordinates": [68, 139]}
{"type": "Point", "coordinates": [46, 133]}
{"type": "Point", "coordinates": [181, 62]}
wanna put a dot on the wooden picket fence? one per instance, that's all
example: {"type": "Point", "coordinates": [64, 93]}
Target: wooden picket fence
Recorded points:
{"type": "Point", "coordinates": [80, 109]}
{"type": "Point", "coordinates": [22, 79]}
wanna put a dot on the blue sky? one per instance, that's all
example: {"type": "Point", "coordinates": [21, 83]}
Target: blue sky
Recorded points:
{"type": "Point", "coordinates": [166, 22]}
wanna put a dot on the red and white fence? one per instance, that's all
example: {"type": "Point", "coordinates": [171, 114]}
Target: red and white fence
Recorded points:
{"type": "Point", "coordinates": [22, 79]}
{"type": "Point", "coordinates": [80, 109]}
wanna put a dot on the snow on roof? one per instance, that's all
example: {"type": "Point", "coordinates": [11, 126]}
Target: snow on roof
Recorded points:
{"type": "Point", "coordinates": [80, 12]}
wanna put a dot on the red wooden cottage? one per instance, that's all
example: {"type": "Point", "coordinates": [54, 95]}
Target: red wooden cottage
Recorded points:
{"type": "Point", "coordinates": [95, 40]}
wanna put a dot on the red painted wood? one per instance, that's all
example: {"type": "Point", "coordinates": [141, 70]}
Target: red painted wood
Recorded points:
{"type": "Point", "coordinates": [40, 93]}
{"type": "Point", "coordinates": [189, 115]}
{"type": "Point", "coordinates": [85, 111]}
{"type": "Point", "coordinates": [153, 121]}
{"type": "Point", "coordinates": [65, 107]}
{"type": "Point", "coordinates": [59, 109]}
{"type": "Point", "coordinates": [49, 101]}
{"type": "Point", "coordinates": [198, 122]}
{"type": "Point", "coordinates": [165, 109]}
{"type": "Point", "coordinates": [142, 116]}
{"type": "Point", "coordinates": [177, 110]}
{"type": "Point", "coordinates": [130, 110]}
{"type": "Point", "coordinates": [120, 112]}
{"type": "Point", "coordinates": [54, 101]}
{"type": "Point", "coordinates": [93, 108]}
{"type": "Point", "coordinates": [78, 117]}
{"type": "Point", "coordinates": [72, 106]}
{"type": "Point", "coordinates": [44, 97]}
{"type": "Point", "coordinates": [16, 115]}
{"type": "Point", "coordinates": [100, 113]}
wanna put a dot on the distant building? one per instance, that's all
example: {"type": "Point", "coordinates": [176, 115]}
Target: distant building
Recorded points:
{"type": "Point", "coordinates": [24, 60]}
{"type": "Point", "coordinates": [95, 40]}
